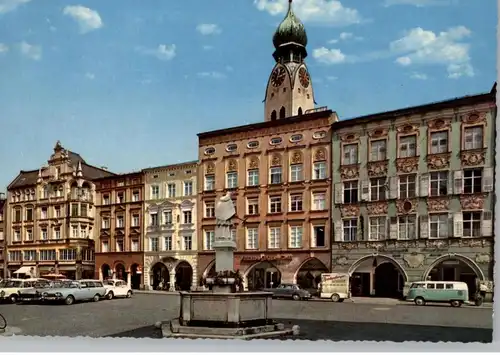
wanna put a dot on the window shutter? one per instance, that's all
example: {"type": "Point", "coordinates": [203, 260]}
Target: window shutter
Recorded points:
{"type": "Point", "coordinates": [417, 185]}
{"type": "Point", "coordinates": [424, 227]}
{"type": "Point", "coordinates": [450, 182]}
{"type": "Point", "coordinates": [365, 190]}
{"type": "Point", "coordinates": [338, 194]}
{"type": "Point", "coordinates": [488, 179]}
{"type": "Point", "coordinates": [338, 231]}
{"type": "Point", "coordinates": [393, 232]}
{"type": "Point", "coordinates": [487, 226]}
{"type": "Point", "coordinates": [458, 225]}
{"type": "Point", "coordinates": [424, 185]}
{"type": "Point", "coordinates": [458, 182]}
{"type": "Point", "coordinates": [393, 184]}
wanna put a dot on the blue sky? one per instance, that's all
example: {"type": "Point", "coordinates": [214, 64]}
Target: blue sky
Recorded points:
{"type": "Point", "coordinates": [128, 84]}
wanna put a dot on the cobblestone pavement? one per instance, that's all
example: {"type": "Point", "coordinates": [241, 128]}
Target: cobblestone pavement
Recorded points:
{"type": "Point", "coordinates": [317, 320]}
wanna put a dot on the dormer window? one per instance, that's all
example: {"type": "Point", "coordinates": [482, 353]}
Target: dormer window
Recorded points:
{"type": "Point", "coordinates": [210, 151]}
{"type": "Point", "coordinates": [276, 141]}
{"type": "Point", "coordinates": [231, 147]}
{"type": "Point", "coordinates": [252, 144]}
{"type": "Point", "coordinates": [296, 138]}
{"type": "Point", "coordinates": [319, 134]}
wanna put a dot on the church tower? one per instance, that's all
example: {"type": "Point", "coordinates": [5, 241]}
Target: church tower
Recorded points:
{"type": "Point", "coordinates": [289, 90]}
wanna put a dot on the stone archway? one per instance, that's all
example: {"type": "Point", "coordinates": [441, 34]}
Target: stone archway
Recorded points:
{"type": "Point", "coordinates": [120, 272]}
{"type": "Point", "coordinates": [106, 271]}
{"type": "Point", "coordinates": [308, 275]}
{"type": "Point", "coordinates": [183, 276]}
{"type": "Point", "coordinates": [160, 277]}
{"type": "Point", "coordinates": [135, 277]}
{"type": "Point", "coordinates": [262, 274]}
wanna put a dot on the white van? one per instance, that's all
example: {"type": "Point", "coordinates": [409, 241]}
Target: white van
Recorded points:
{"type": "Point", "coordinates": [335, 286]}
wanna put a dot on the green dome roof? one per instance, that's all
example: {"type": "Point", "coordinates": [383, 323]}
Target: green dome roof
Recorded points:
{"type": "Point", "coordinates": [290, 29]}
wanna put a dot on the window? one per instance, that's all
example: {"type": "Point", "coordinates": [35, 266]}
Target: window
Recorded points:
{"type": "Point", "coordinates": [318, 236]}
{"type": "Point", "coordinates": [57, 233]}
{"type": "Point", "coordinates": [43, 213]}
{"type": "Point", "coordinates": [232, 180]}
{"type": "Point", "coordinates": [231, 147]}
{"type": "Point", "coordinates": [319, 134]}
{"type": "Point", "coordinates": [167, 243]}
{"type": "Point", "coordinates": [188, 188]}
{"type": "Point", "coordinates": [83, 208]}
{"type": "Point", "coordinates": [209, 151]}
{"type": "Point", "coordinates": [171, 190]}
{"type": "Point", "coordinates": [350, 229]}
{"type": "Point", "coordinates": [350, 154]}
{"type": "Point", "coordinates": [29, 214]}
{"type": "Point", "coordinates": [274, 237]}
{"type": "Point", "coordinates": [187, 242]}
{"type": "Point", "coordinates": [135, 195]}
{"type": "Point", "coordinates": [439, 142]}
{"type": "Point", "coordinates": [120, 222]}
{"type": "Point", "coordinates": [153, 217]}
{"type": "Point", "coordinates": [408, 146]}
{"type": "Point", "coordinates": [275, 173]}
{"type": "Point", "coordinates": [253, 206]}
{"type": "Point", "coordinates": [209, 182]}
{"type": "Point", "coordinates": [83, 232]}
{"type": "Point", "coordinates": [233, 234]}
{"type": "Point", "coordinates": [209, 240]}
{"type": "Point", "coordinates": [295, 240]}
{"type": "Point", "coordinates": [120, 183]}
{"type": "Point", "coordinates": [296, 172]}
{"type": "Point", "coordinates": [74, 210]}
{"type": "Point", "coordinates": [45, 192]}
{"type": "Point", "coordinates": [319, 170]}
{"type": "Point", "coordinates": [439, 183]}
{"type": "Point", "coordinates": [134, 245]}
{"type": "Point", "coordinates": [135, 220]}
{"type": "Point", "coordinates": [473, 137]}
{"type": "Point", "coordinates": [1, 236]}
{"type": "Point", "coordinates": [57, 211]}
{"type": "Point", "coordinates": [449, 286]}
{"type": "Point", "coordinates": [120, 197]}
{"type": "Point", "coordinates": [187, 217]}
{"type": "Point", "coordinates": [407, 227]}
{"type": "Point", "coordinates": [153, 244]}
{"type": "Point", "coordinates": [440, 286]}
{"type": "Point", "coordinates": [473, 181]}
{"type": "Point", "coordinates": [155, 192]}
{"type": "Point", "coordinates": [209, 209]}
{"type": "Point", "coordinates": [105, 223]}
{"type": "Point", "coordinates": [252, 144]}
{"type": "Point", "coordinates": [67, 254]}
{"type": "Point", "coordinates": [296, 202]}
{"type": "Point", "coordinates": [17, 236]}
{"type": "Point", "coordinates": [351, 192]}
{"type": "Point", "coordinates": [378, 228]}
{"type": "Point", "coordinates": [377, 189]}
{"type": "Point", "coordinates": [29, 235]}
{"type": "Point", "coordinates": [105, 199]}
{"type": "Point", "coordinates": [407, 186]}
{"type": "Point", "coordinates": [274, 204]}
{"type": "Point", "coordinates": [275, 141]}
{"type": "Point", "coordinates": [44, 235]}
{"type": "Point", "coordinates": [15, 255]}
{"type": "Point", "coordinates": [30, 255]}
{"type": "Point", "coordinates": [252, 238]}
{"type": "Point", "coordinates": [431, 286]}
{"type": "Point", "coordinates": [120, 245]}
{"type": "Point", "coordinates": [167, 217]}
{"type": "Point", "coordinates": [439, 225]}
{"type": "Point", "coordinates": [47, 255]}
{"type": "Point", "coordinates": [253, 177]}
{"type": "Point", "coordinates": [378, 150]}
{"type": "Point", "coordinates": [17, 215]}
{"type": "Point", "coordinates": [296, 138]}
{"type": "Point", "coordinates": [472, 224]}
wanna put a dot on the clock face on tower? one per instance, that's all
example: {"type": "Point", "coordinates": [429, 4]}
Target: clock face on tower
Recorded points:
{"type": "Point", "coordinates": [304, 77]}
{"type": "Point", "coordinates": [278, 76]}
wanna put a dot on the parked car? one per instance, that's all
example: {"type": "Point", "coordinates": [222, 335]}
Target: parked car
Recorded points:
{"type": "Point", "coordinates": [11, 288]}
{"type": "Point", "coordinates": [452, 292]}
{"type": "Point", "coordinates": [292, 291]}
{"type": "Point", "coordinates": [117, 288]}
{"type": "Point", "coordinates": [76, 291]}
{"type": "Point", "coordinates": [33, 294]}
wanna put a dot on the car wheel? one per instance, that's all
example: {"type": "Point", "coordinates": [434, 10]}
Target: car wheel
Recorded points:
{"type": "Point", "coordinates": [129, 294]}
{"type": "Point", "coordinates": [335, 297]}
{"type": "Point", "coordinates": [110, 295]}
{"type": "Point", "coordinates": [69, 300]}
{"type": "Point", "coordinates": [13, 298]}
{"type": "Point", "coordinates": [419, 301]}
{"type": "Point", "coordinates": [456, 303]}
{"type": "Point", "coordinates": [96, 298]}
{"type": "Point", "coordinates": [296, 297]}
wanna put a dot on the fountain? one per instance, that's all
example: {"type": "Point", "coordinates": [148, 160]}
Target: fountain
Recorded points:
{"type": "Point", "coordinates": [225, 312]}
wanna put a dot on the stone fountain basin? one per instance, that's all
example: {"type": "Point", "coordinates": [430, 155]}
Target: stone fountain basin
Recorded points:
{"type": "Point", "coordinates": [224, 309]}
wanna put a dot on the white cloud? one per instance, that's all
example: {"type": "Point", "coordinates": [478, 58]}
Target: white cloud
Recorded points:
{"type": "Point", "coordinates": [90, 76]}
{"type": "Point", "coordinates": [30, 50]}
{"type": "Point", "coordinates": [208, 29]}
{"type": "Point", "coordinates": [419, 76]}
{"type": "Point", "coordinates": [207, 48]}
{"type": "Point", "coordinates": [87, 19]}
{"type": "Point", "coordinates": [212, 75]}
{"type": "Point", "coordinates": [331, 78]}
{"type": "Point", "coordinates": [162, 52]}
{"type": "Point", "coordinates": [418, 3]}
{"type": "Point", "coordinates": [345, 36]}
{"type": "Point", "coordinates": [11, 5]}
{"type": "Point", "coordinates": [329, 56]}
{"type": "Point", "coordinates": [421, 47]}
{"type": "Point", "coordinates": [328, 12]}
{"type": "Point", "coordinates": [3, 48]}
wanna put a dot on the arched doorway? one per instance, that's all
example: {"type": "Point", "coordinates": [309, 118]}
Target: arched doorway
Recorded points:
{"type": "Point", "coordinates": [183, 276]}
{"type": "Point", "coordinates": [106, 271]}
{"type": "Point", "coordinates": [135, 278]}
{"type": "Point", "coordinates": [308, 275]}
{"type": "Point", "coordinates": [263, 275]}
{"type": "Point", "coordinates": [160, 277]}
{"type": "Point", "coordinates": [455, 268]}
{"type": "Point", "coordinates": [120, 272]}
{"type": "Point", "coordinates": [388, 281]}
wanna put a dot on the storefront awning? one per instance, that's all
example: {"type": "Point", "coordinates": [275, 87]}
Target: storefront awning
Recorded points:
{"type": "Point", "coordinates": [23, 270]}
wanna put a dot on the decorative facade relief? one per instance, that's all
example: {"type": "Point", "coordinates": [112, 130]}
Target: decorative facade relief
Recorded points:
{"type": "Point", "coordinates": [378, 133]}
{"type": "Point", "coordinates": [439, 124]}
{"type": "Point", "coordinates": [438, 204]}
{"type": "Point", "coordinates": [407, 165]}
{"type": "Point", "coordinates": [414, 260]}
{"type": "Point", "coordinates": [473, 157]}
{"type": "Point", "coordinates": [319, 155]}
{"type": "Point", "coordinates": [232, 165]}
{"type": "Point", "coordinates": [253, 163]}
{"type": "Point", "coordinates": [342, 261]}
{"type": "Point", "coordinates": [483, 258]}
{"type": "Point", "coordinates": [210, 169]}
{"type": "Point", "coordinates": [296, 158]}
{"type": "Point", "coordinates": [408, 128]}
{"type": "Point", "coordinates": [407, 206]}
{"type": "Point", "coordinates": [438, 161]}
{"type": "Point", "coordinates": [276, 160]}
{"type": "Point", "coordinates": [349, 137]}
{"type": "Point", "coordinates": [349, 210]}
{"type": "Point", "coordinates": [474, 117]}
{"type": "Point", "coordinates": [377, 208]}
{"type": "Point", "coordinates": [472, 202]}
{"type": "Point", "coordinates": [348, 172]}
{"type": "Point", "coordinates": [377, 168]}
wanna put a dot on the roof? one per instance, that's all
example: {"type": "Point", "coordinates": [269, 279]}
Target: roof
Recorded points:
{"type": "Point", "coordinates": [120, 176]}
{"type": "Point", "coordinates": [171, 166]}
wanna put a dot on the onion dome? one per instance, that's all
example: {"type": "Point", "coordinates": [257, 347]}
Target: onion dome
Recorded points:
{"type": "Point", "coordinates": [290, 30]}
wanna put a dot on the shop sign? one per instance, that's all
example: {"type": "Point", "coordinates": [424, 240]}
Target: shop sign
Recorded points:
{"type": "Point", "coordinates": [273, 257]}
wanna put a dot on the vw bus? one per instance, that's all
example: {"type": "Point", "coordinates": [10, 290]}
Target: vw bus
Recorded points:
{"type": "Point", "coordinates": [452, 292]}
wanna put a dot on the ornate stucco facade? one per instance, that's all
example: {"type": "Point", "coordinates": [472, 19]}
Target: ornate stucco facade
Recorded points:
{"type": "Point", "coordinates": [413, 195]}
{"type": "Point", "coordinates": [170, 258]}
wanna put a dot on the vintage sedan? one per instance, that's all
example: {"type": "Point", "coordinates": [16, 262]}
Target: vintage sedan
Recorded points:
{"type": "Point", "coordinates": [75, 291]}
{"type": "Point", "coordinates": [11, 288]}
{"type": "Point", "coordinates": [117, 288]}
{"type": "Point", "coordinates": [292, 291]}
{"type": "Point", "coordinates": [33, 294]}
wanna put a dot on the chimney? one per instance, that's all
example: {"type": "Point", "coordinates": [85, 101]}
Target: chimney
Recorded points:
{"type": "Point", "coordinates": [104, 167]}
{"type": "Point", "coordinates": [2, 195]}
